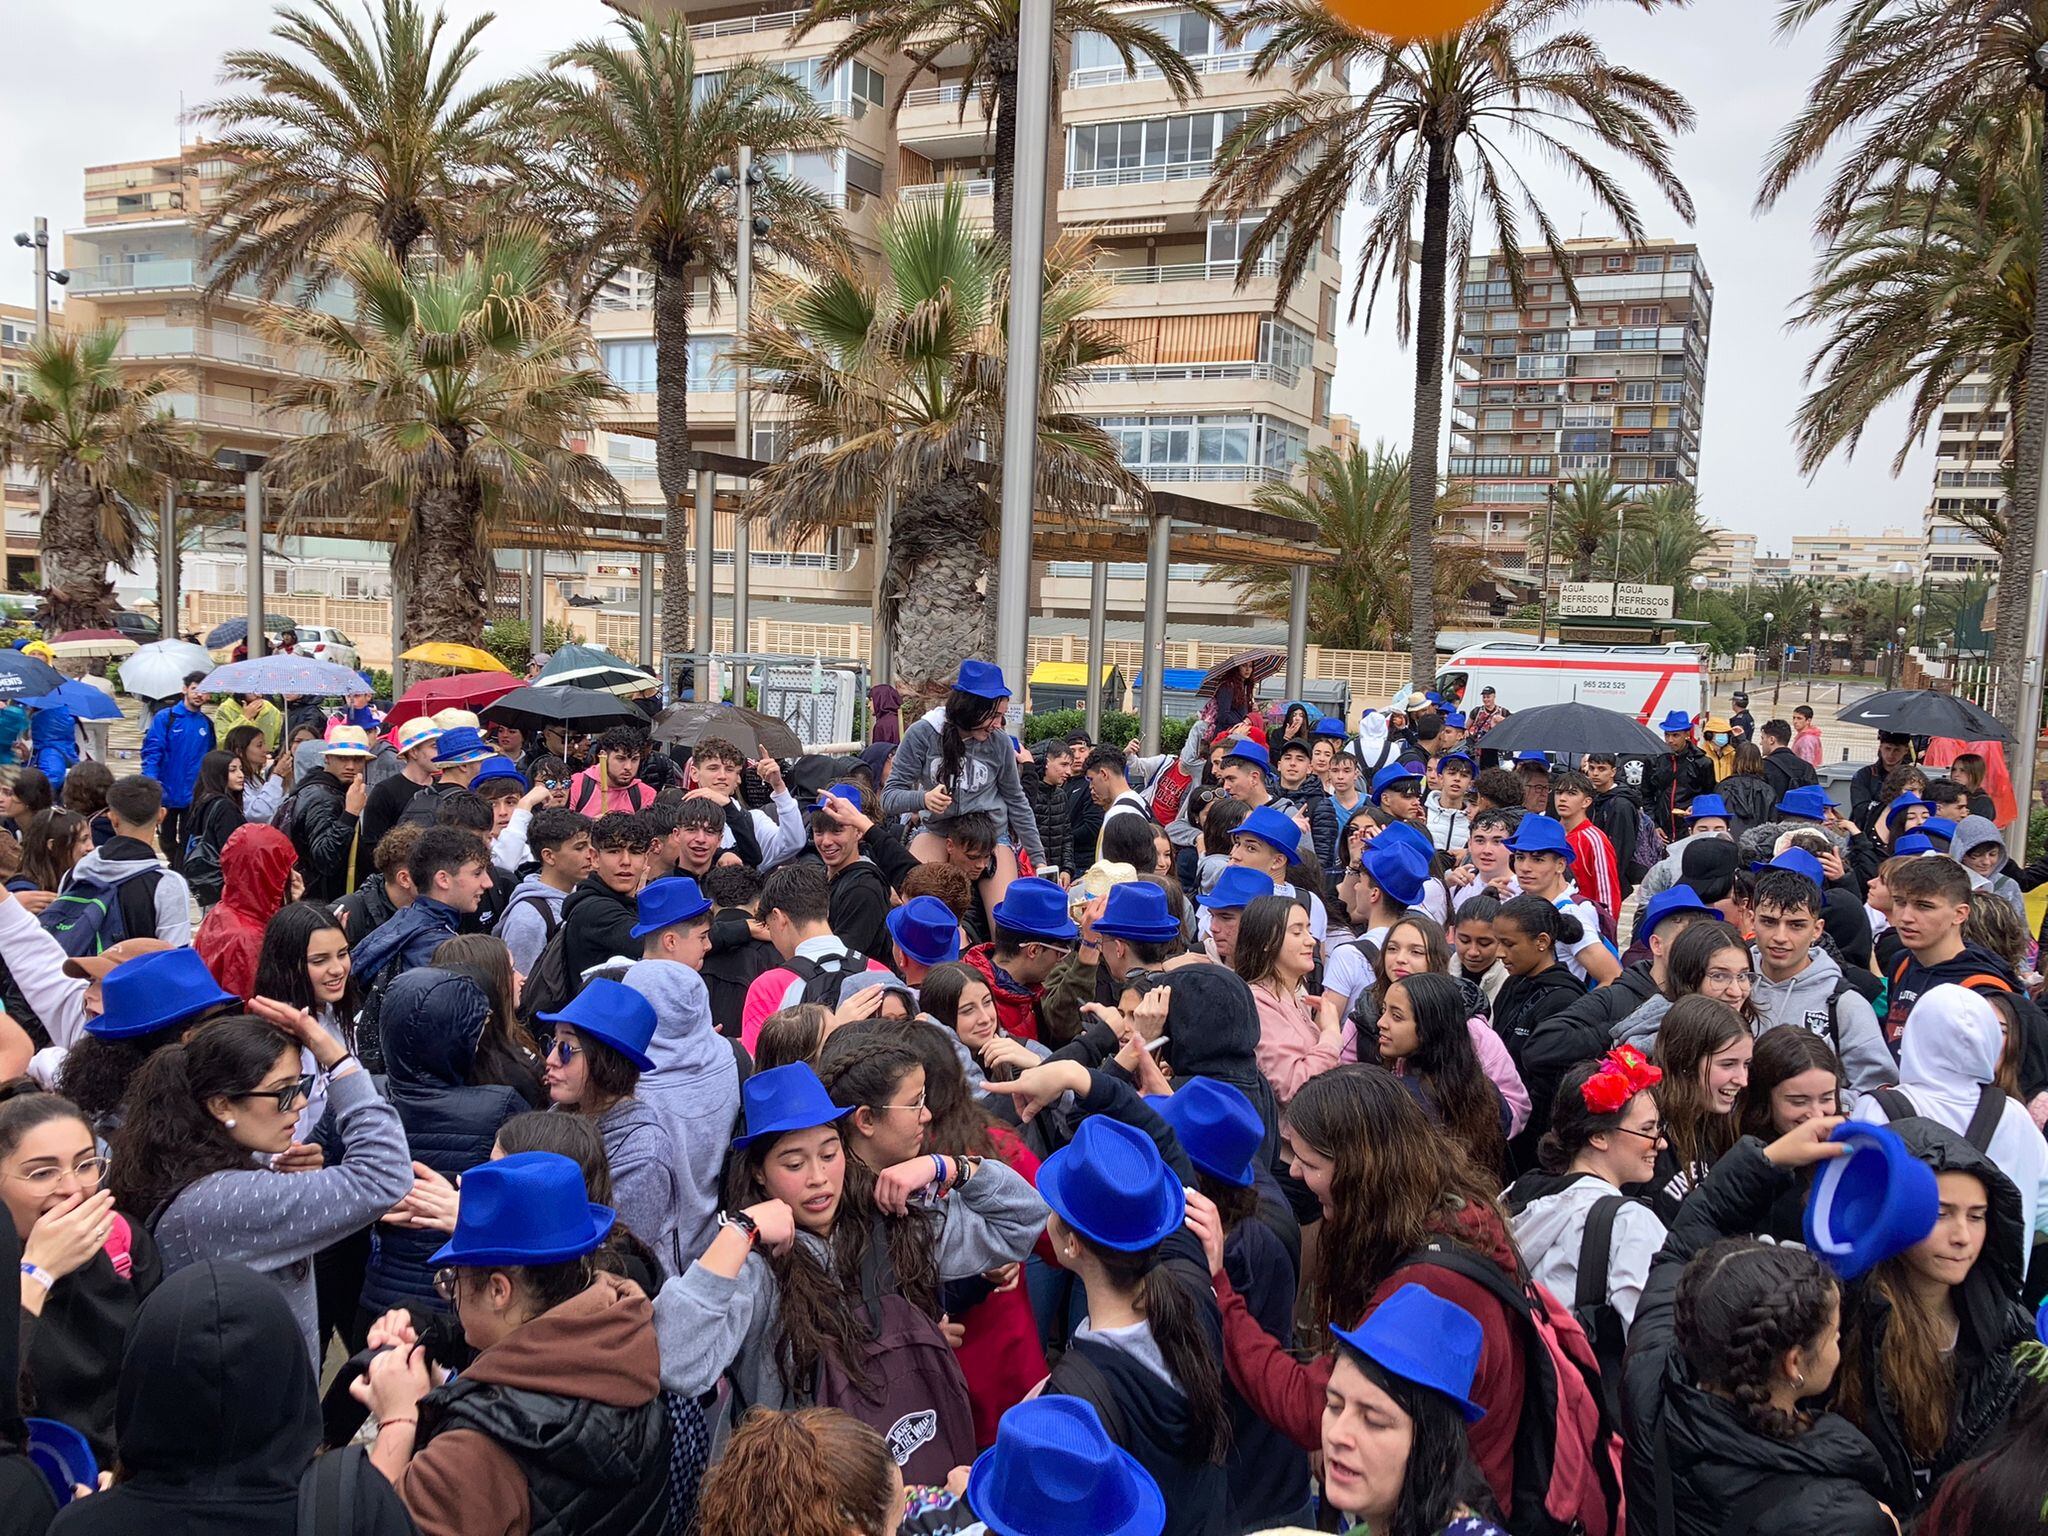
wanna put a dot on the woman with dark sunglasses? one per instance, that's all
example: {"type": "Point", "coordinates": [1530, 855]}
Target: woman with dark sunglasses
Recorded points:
{"type": "Point", "coordinates": [203, 1124]}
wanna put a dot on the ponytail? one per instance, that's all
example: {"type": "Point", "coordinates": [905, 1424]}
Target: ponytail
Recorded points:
{"type": "Point", "coordinates": [962, 713]}
{"type": "Point", "coordinates": [1191, 1354]}
{"type": "Point", "coordinates": [168, 1138]}
{"type": "Point", "coordinates": [1534, 915]}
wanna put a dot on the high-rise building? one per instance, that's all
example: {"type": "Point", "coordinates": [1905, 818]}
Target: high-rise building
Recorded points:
{"type": "Point", "coordinates": [23, 507]}
{"type": "Point", "coordinates": [1731, 563]}
{"type": "Point", "coordinates": [1969, 480]}
{"type": "Point", "coordinates": [1840, 554]}
{"type": "Point", "coordinates": [1546, 391]}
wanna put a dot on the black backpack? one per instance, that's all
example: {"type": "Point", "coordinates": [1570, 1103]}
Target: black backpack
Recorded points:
{"type": "Point", "coordinates": [549, 986]}
{"type": "Point", "coordinates": [1983, 1123]}
{"type": "Point", "coordinates": [1596, 1314]}
{"type": "Point", "coordinates": [821, 979]}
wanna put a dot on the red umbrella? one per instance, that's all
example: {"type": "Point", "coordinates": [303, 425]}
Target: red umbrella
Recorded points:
{"type": "Point", "coordinates": [465, 690]}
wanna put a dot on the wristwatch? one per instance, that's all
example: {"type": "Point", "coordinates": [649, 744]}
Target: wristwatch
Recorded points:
{"type": "Point", "coordinates": [744, 1222]}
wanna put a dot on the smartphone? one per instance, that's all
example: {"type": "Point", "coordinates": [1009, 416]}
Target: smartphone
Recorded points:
{"type": "Point", "coordinates": [1156, 1046]}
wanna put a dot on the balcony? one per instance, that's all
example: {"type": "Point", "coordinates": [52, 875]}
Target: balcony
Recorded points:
{"type": "Point", "coordinates": [1155, 373]}
{"type": "Point", "coordinates": [947, 95]}
{"type": "Point", "coordinates": [1137, 175]}
{"type": "Point", "coordinates": [239, 415]}
{"type": "Point", "coordinates": [218, 346]}
{"type": "Point", "coordinates": [1234, 62]}
{"type": "Point", "coordinates": [1208, 474]}
{"type": "Point", "coordinates": [1186, 272]}
{"type": "Point", "coordinates": [933, 191]}
{"type": "Point", "coordinates": [744, 26]}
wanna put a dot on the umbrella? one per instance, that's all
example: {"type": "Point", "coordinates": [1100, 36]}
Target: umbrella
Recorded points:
{"type": "Point", "coordinates": [468, 690]}
{"type": "Point", "coordinates": [159, 669]}
{"type": "Point", "coordinates": [303, 675]}
{"type": "Point", "coordinates": [582, 709]}
{"type": "Point", "coordinates": [1924, 712]}
{"type": "Point", "coordinates": [1574, 728]}
{"type": "Point", "coordinates": [83, 700]}
{"type": "Point", "coordinates": [684, 725]}
{"type": "Point", "coordinates": [464, 658]}
{"type": "Point", "coordinates": [591, 666]}
{"type": "Point", "coordinates": [24, 677]}
{"type": "Point", "coordinates": [235, 631]}
{"type": "Point", "coordinates": [1263, 664]}
{"type": "Point", "coordinates": [92, 642]}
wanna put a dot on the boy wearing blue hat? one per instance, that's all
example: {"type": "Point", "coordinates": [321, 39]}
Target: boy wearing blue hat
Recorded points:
{"type": "Point", "coordinates": [923, 932]}
{"type": "Point", "coordinates": [1672, 781]}
{"type": "Point", "coordinates": [1543, 863]}
{"type": "Point", "coordinates": [1397, 790]}
{"type": "Point", "coordinates": [1245, 771]}
{"type": "Point", "coordinates": [1235, 889]}
{"type": "Point", "coordinates": [1269, 841]}
{"type": "Point", "coordinates": [1033, 932]}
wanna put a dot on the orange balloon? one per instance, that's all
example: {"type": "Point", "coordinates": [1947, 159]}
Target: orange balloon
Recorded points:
{"type": "Point", "coordinates": [1408, 19]}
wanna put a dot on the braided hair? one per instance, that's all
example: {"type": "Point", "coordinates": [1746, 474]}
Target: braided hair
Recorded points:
{"type": "Point", "coordinates": [1741, 1305]}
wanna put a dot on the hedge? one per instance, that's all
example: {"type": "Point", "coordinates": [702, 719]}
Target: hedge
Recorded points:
{"type": "Point", "coordinates": [1119, 727]}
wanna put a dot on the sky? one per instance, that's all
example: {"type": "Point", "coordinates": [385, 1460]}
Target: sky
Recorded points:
{"type": "Point", "coordinates": [102, 83]}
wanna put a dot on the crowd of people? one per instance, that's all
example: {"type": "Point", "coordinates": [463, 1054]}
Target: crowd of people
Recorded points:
{"type": "Point", "coordinates": [1329, 1125]}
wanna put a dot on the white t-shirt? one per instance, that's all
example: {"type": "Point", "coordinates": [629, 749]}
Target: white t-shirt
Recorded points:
{"type": "Point", "coordinates": [1348, 972]}
{"type": "Point", "coordinates": [1589, 922]}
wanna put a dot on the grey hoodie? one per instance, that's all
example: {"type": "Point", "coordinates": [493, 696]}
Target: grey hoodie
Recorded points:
{"type": "Point", "coordinates": [523, 929]}
{"type": "Point", "coordinates": [1847, 1022]}
{"type": "Point", "coordinates": [1640, 1028]}
{"type": "Point", "coordinates": [173, 897]}
{"type": "Point", "coordinates": [1975, 832]}
{"type": "Point", "coordinates": [987, 781]}
{"type": "Point", "coordinates": [648, 1189]}
{"type": "Point", "coordinates": [694, 1089]}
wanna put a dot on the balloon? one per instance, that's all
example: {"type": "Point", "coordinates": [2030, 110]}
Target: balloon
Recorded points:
{"type": "Point", "coordinates": [1408, 19]}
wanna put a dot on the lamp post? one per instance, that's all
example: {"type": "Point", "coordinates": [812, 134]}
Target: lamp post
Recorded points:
{"type": "Point", "coordinates": [1770, 651]}
{"type": "Point", "coordinates": [744, 180]}
{"type": "Point", "coordinates": [1898, 651]}
{"type": "Point", "coordinates": [1920, 626]}
{"type": "Point", "coordinates": [39, 242]}
{"type": "Point", "coordinates": [1902, 578]}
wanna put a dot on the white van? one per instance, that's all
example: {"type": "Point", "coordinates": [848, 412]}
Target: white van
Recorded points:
{"type": "Point", "coordinates": [1646, 681]}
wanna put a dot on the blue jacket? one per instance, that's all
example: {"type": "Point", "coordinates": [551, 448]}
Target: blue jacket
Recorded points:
{"type": "Point", "coordinates": [432, 1022]}
{"type": "Point", "coordinates": [404, 944]}
{"type": "Point", "coordinates": [54, 733]}
{"type": "Point", "coordinates": [171, 751]}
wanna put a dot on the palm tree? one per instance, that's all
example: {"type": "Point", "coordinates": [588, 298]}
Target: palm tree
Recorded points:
{"type": "Point", "coordinates": [1665, 537]}
{"type": "Point", "coordinates": [107, 446]}
{"type": "Point", "coordinates": [1358, 502]}
{"type": "Point", "coordinates": [638, 136]}
{"type": "Point", "coordinates": [1905, 78]}
{"type": "Point", "coordinates": [375, 129]}
{"type": "Point", "coordinates": [894, 386]}
{"type": "Point", "coordinates": [447, 404]}
{"type": "Point", "coordinates": [1584, 515]}
{"type": "Point", "coordinates": [923, 31]}
{"type": "Point", "coordinates": [1429, 126]}
{"type": "Point", "coordinates": [1860, 608]}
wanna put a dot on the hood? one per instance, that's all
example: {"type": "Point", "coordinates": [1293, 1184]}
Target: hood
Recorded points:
{"type": "Point", "coordinates": [860, 981]}
{"type": "Point", "coordinates": [1537, 1188]}
{"type": "Point", "coordinates": [1713, 1432]}
{"type": "Point", "coordinates": [1845, 921]}
{"type": "Point", "coordinates": [1974, 832]}
{"type": "Point", "coordinates": [1212, 1023]}
{"type": "Point", "coordinates": [256, 868]}
{"type": "Point", "coordinates": [1788, 1002]}
{"type": "Point", "coordinates": [1949, 1050]}
{"type": "Point", "coordinates": [935, 717]}
{"type": "Point", "coordinates": [533, 885]}
{"type": "Point", "coordinates": [1997, 1268]}
{"type": "Point", "coordinates": [307, 758]}
{"type": "Point", "coordinates": [120, 858]}
{"type": "Point", "coordinates": [433, 1020]}
{"type": "Point", "coordinates": [1550, 1209]}
{"type": "Point", "coordinates": [686, 1042]}
{"type": "Point", "coordinates": [598, 1345]}
{"type": "Point", "coordinates": [592, 888]}
{"type": "Point", "coordinates": [319, 778]}
{"type": "Point", "coordinates": [52, 727]}
{"type": "Point", "coordinates": [217, 1394]}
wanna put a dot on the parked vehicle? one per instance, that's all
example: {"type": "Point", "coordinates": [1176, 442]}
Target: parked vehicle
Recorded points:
{"type": "Point", "coordinates": [326, 644]}
{"type": "Point", "coordinates": [1645, 681]}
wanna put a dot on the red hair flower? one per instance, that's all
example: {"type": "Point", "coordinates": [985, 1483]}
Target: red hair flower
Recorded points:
{"type": "Point", "coordinates": [1624, 1073]}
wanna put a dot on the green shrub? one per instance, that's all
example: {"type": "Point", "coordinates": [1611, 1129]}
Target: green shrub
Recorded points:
{"type": "Point", "coordinates": [511, 641]}
{"type": "Point", "coordinates": [1119, 727]}
{"type": "Point", "coordinates": [2037, 832]}
{"type": "Point", "coordinates": [380, 681]}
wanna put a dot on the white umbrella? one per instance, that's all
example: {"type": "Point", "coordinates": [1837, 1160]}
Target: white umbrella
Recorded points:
{"type": "Point", "coordinates": [158, 670]}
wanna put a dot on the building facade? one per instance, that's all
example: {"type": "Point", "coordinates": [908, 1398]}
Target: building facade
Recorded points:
{"type": "Point", "coordinates": [1969, 480]}
{"type": "Point", "coordinates": [22, 499]}
{"type": "Point", "coordinates": [1731, 563]}
{"type": "Point", "coordinates": [1839, 554]}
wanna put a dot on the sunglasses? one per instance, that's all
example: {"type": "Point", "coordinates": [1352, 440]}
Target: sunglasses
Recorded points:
{"type": "Point", "coordinates": [444, 1283]}
{"type": "Point", "coordinates": [560, 1048]}
{"type": "Point", "coordinates": [287, 1095]}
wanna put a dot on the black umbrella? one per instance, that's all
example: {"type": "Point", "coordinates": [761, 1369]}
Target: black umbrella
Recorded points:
{"type": "Point", "coordinates": [540, 705]}
{"type": "Point", "coordinates": [1261, 664]}
{"type": "Point", "coordinates": [25, 677]}
{"type": "Point", "coordinates": [235, 631]}
{"type": "Point", "coordinates": [1924, 712]}
{"type": "Point", "coordinates": [1574, 728]}
{"type": "Point", "coordinates": [684, 725]}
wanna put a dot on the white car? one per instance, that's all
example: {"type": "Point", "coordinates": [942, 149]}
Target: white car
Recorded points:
{"type": "Point", "coordinates": [327, 645]}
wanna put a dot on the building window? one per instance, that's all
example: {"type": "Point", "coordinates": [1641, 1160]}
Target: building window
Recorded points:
{"type": "Point", "coordinates": [1614, 263]}
{"type": "Point", "coordinates": [1498, 421]}
{"type": "Point", "coordinates": [1635, 418]}
{"type": "Point", "coordinates": [1645, 314]}
{"type": "Point", "coordinates": [1639, 394]}
{"type": "Point", "coordinates": [1286, 345]}
{"type": "Point", "coordinates": [1649, 263]}
{"type": "Point", "coordinates": [1682, 263]}
{"type": "Point", "coordinates": [630, 365]}
{"type": "Point", "coordinates": [863, 174]}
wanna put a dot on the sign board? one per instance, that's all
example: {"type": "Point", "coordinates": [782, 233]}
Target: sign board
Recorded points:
{"type": "Point", "coordinates": [815, 702]}
{"type": "Point", "coordinates": [1635, 600]}
{"type": "Point", "coordinates": [1617, 600]}
{"type": "Point", "coordinates": [1586, 599]}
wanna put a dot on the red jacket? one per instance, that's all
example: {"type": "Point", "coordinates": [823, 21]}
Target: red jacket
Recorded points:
{"type": "Point", "coordinates": [1016, 1005]}
{"type": "Point", "coordinates": [1289, 1395]}
{"type": "Point", "coordinates": [1001, 1356]}
{"type": "Point", "coordinates": [255, 871]}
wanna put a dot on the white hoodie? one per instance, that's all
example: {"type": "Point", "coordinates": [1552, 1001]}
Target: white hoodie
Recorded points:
{"type": "Point", "coordinates": [1550, 1229]}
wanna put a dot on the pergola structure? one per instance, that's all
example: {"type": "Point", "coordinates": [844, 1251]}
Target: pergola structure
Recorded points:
{"type": "Point", "coordinates": [1173, 527]}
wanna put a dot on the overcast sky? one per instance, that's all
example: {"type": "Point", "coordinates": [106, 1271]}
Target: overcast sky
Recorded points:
{"type": "Point", "coordinates": [101, 83]}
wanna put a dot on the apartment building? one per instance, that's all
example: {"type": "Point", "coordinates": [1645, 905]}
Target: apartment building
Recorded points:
{"type": "Point", "coordinates": [1839, 554]}
{"type": "Point", "coordinates": [22, 506]}
{"type": "Point", "coordinates": [1731, 564]}
{"type": "Point", "coordinates": [1546, 391]}
{"type": "Point", "coordinates": [1969, 477]}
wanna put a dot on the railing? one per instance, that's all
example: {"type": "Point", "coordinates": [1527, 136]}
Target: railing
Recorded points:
{"type": "Point", "coordinates": [1135, 175]}
{"type": "Point", "coordinates": [1186, 272]}
{"type": "Point", "coordinates": [245, 415]}
{"type": "Point", "coordinates": [1202, 64]}
{"type": "Point", "coordinates": [1197, 474]}
{"type": "Point", "coordinates": [138, 276]}
{"type": "Point", "coordinates": [932, 191]}
{"type": "Point", "coordinates": [741, 26]}
{"type": "Point", "coordinates": [219, 346]}
{"type": "Point", "coordinates": [935, 95]}
{"type": "Point", "coordinates": [1146, 373]}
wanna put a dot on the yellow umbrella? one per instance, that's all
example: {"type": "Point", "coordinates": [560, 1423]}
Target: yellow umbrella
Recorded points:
{"type": "Point", "coordinates": [466, 658]}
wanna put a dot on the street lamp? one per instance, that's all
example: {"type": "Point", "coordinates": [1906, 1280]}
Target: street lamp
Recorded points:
{"type": "Point", "coordinates": [1920, 626]}
{"type": "Point", "coordinates": [1770, 654]}
{"type": "Point", "coordinates": [1898, 650]}
{"type": "Point", "coordinates": [39, 242]}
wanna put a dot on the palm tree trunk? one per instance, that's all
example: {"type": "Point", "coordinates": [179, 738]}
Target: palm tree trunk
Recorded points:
{"type": "Point", "coordinates": [443, 571]}
{"type": "Point", "coordinates": [1429, 411]}
{"type": "Point", "coordinates": [674, 464]}
{"type": "Point", "coordinates": [74, 557]}
{"type": "Point", "coordinates": [1003, 167]}
{"type": "Point", "coordinates": [937, 555]}
{"type": "Point", "coordinates": [2013, 643]}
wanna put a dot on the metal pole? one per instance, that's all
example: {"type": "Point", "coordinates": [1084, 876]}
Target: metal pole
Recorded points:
{"type": "Point", "coordinates": [1549, 518]}
{"type": "Point", "coordinates": [2027, 728]}
{"type": "Point", "coordinates": [707, 495]}
{"type": "Point", "coordinates": [881, 642]}
{"type": "Point", "coordinates": [537, 595]}
{"type": "Point", "coordinates": [167, 564]}
{"type": "Point", "coordinates": [397, 637]}
{"type": "Point", "coordinates": [646, 656]}
{"type": "Point", "coordinates": [1020, 406]}
{"type": "Point", "coordinates": [252, 528]}
{"type": "Point", "coordinates": [1297, 630]}
{"type": "Point", "coordinates": [42, 244]}
{"type": "Point", "coordinates": [743, 416]}
{"type": "Point", "coordinates": [1152, 698]}
{"type": "Point", "coordinates": [1098, 643]}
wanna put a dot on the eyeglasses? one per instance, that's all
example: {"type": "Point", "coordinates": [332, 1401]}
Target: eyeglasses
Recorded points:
{"type": "Point", "coordinates": [1060, 951]}
{"type": "Point", "coordinates": [88, 1170]}
{"type": "Point", "coordinates": [557, 1046]}
{"type": "Point", "coordinates": [286, 1095]}
{"type": "Point", "coordinates": [1655, 1133]}
{"type": "Point", "coordinates": [444, 1283]}
{"type": "Point", "coordinates": [1746, 979]}
{"type": "Point", "coordinates": [916, 1104]}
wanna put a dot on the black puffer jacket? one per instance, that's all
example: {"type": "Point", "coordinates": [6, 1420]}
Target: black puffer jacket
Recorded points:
{"type": "Point", "coordinates": [1049, 805]}
{"type": "Point", "coordinates": [1826, 1482]}
{"type": "Point", "coordinates": [1560, 1041]}
{"type": "Point", "coordinates": [323, 830]}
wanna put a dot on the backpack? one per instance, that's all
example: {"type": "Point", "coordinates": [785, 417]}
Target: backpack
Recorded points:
{"type": "Point", "coordinates": [1983, 1122]}
{"type": "Point", "coordinates": [820, 984]}
{"type": "Point", "coordinates": [1567, 1446]}
{"type": "Point", "coordinates": [916, 1396]}
{"type": "Point", "coordinates": [585, 791]}
{"type": "Point", "coordinates": [85, 918]}
{"type": "Point", "coordinates": [1596, 1315]}
{"type": "Point", "coordinates": [202, 865]}
{"type": "Point", "coordinates": [550, 986]}
{"type": "Point", "coordinates": [550, 915]}
{"type": "Point", "coordinates": [1651, 848]}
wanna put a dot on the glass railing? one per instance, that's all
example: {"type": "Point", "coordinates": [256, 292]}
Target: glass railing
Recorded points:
{"type": "Point", "coordinates": [1145, 373]}
{"type": "Point", "coordinates": [218, 346]}
{"type": "Point", "coordinates": [1136, 175]}
{"type": "Point", "coordinates": [1202, 64]}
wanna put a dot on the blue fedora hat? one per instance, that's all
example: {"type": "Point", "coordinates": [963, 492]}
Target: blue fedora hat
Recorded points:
{"type": "Point", "coordinates": [1251, 751]}
{"type": "Point", "coordinates": [926, 930]}
{"type": "Point", "coordinates": [666, 902]}
{"type": "Point", "coordinates": [1036, 908]}
{"type": "Point", "coordinates": [1392, 774]}
{"type": "Point", "coordinates": [1332, 725]}
{"type": "Point", "coordinates": [62, 1455]}
{"type": "Point", "coordinates": [1459, 756]}
{"type": "Point", "coordinates": [1111, 1185]}
{"type": "Point", "coordinates": [1679, 898]}
{"type": "Point", "coordinates": [1800, 862]}
{"type": "Point", "coordinates": [1397, 869]}
{"type": "Point", "coordinates": [1418, 1336]}
{"type": "Point", "coordinates": [1938, 830]}
{"type": "Point", "coordinates": [529, 1208]}
{"type": "Point", "coordinates": [461, 745]}
{"type": "Point", "coordinates": [1537, 833]}
{"type": "Point", "coordinates": [1235, 888]}
{"type": "Point", "coordinates": [1809, 801]}
{"type": "Point", "coordinates": [983, 679]}
{"type": "Point", "coordinates": [614, 1013]}
{"type": "Point", "coordinates": [1878, 1201]}
{"type": "Point", "coordinates": [1274, 828]}
{"type": "Point", "coordinates": [844, 791]}
{"type": "Point", "coordinates": [1533, 757]}
{"type": "Point", "coordinates": [1433, 697]}
{"type": "Point", "coordinates": [1674, 722]}
{"type": "Point", "coordinates": [1455, 719]}
{"type": "Point", "coordinates": [781, 1100]}
{"type": "Point", "coordinates": [498, 766]}
{"type": "Point", "coordinates": [1903, 804]}
{"type": "Point", "coordinates": [1408, 832]}
{"type": "Point", "coordinates": [1137, 910]}
{"type": "Point", "coordinates": [1054, 1470]}
{"type": "Point", "coordinates": [1218, 1128]}
{"type": "Point", "coordinates": [1706, 805]}
{"type": "Point", "coordinates": [153, 992]}
{"type": "Point", "coordinates": [1914, 842]}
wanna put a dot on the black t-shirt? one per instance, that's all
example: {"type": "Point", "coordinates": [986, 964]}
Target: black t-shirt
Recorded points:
{"type": "Point", "coordinates": [381, 811]}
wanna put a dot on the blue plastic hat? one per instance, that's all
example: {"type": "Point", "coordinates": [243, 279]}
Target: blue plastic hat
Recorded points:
{"type": "Point", "coordinates": [1706, 805]}
{"type": "Point", "coordinates": [1537, 833]}
{"type": "Point", "coordinates": [1938, 830]}
{"type": "Point", "coordinates": [1111, 1185]}
{"type": "Point", "coordinates": [926, 930]}
{"type": "Point", "coordinates": [1913, 842]}
{"type": "Point", "coordinates": [1800, 862]}
{"type": "Point", "coordinates": [1054, 1470]}
{"type": "Point", "coordinates": [1878, 1201]}
{"type": "Point", "coordinates": [1533, 757]}
{"type": "Point", "coordinates": [1236, 888]}
{"type": "Point", "coordinates": [529, 1208]}
{"type": "Point", "coordinates": [1679, 898]}
{"type": "Point", "coordinates": [784, 1099]}
{"type": "Point", "coordinates": [614, 1013]}
{"type": "Point", "coordinates": [1137, 910]}
{"type": "Point", "coordinates": [1036, 908]}
{"type": "Point", "coordinates": [664, 903]}
{"type": "Point", "coordinates": [461, 745]}
{"type": "Point", "coordinates": [1397, 869]}
{"type": "Point", "coordinates": [1433, 697]}
{"type": "Point", "coordinates": [851, 792]}
{"type": "Point", "coordinates": [63, 1456]}
{"type": "Point", "coordinates": [1391, 775]}
{"type": "Point", "coordinates": [1809, 801]}
{"type": "Point", "coordinates": [1247, 750]}
{"type": "Point", "coordinates": [983, 679]}
{"type": "Point", "coordinates": [1218, 1127]}
{"type": "Point", "coordinates": [1275, 828]}
{"type": "Point", "coordinates": [1455, 720]}
{"type": "Point", "coordinates": [1331, 725]}
{"type": "Point", "coordinates": [1418, 1336]}
{"type": "Point", "coordinates": [1674, 722]}
{"type": "Point", "coordinates": [498, 766]}
{"type": "Point", "coordinates": [153, 992]}
{"type": "Point", "coordinates": [1903, 804]}
{"type": "Point", "coordinates": [1459, 756]}
{"type": "Point", "coordinates": [1407, 832]}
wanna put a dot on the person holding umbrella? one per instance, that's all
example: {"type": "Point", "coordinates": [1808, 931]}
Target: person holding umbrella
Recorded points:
{"type": "Point", "coordinates": [176, 744]}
